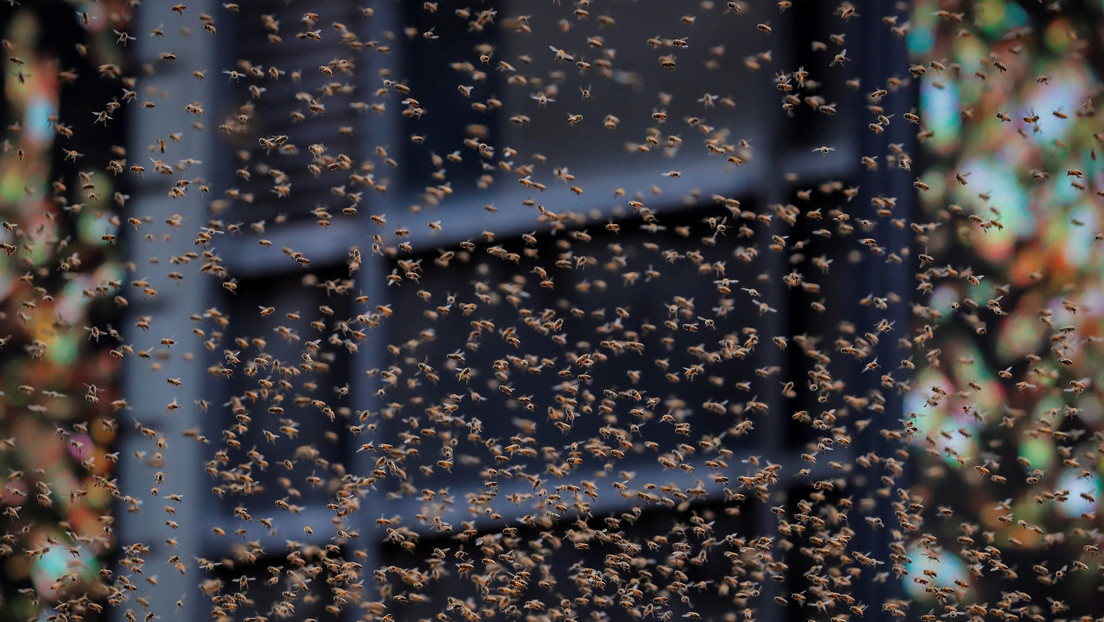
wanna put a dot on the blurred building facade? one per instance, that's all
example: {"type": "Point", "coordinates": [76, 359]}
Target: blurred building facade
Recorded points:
{"type": "Point", "coordinates": [779, 164]}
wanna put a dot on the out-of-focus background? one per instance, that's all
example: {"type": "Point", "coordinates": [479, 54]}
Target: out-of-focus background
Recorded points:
{"type": "Point", "coordinates": [1001, 170]}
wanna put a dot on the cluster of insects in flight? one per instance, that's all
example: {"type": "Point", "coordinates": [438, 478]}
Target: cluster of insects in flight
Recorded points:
{"type": "Point", "coordinates": [530, 312]}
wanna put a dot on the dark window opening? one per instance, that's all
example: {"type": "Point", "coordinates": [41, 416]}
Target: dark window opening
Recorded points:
{"type": "Point", "coordinates": [289, 402]}
{"type": "Point", "coordinates": [693, 558]}
{"type": "Point", "coordinates": [251, 583]}
{"type": "Point", "coordinates": [441, 58]}
{"type": "Point", "coordinates": [288, 107]}
{"type": "Point", "coordinates": [660, 365]}
{"type": "Point", "coordinates": [817, 37]}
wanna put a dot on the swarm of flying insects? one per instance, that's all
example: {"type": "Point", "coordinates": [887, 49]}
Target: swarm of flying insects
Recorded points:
{"type": "Point", "coordinates": [551, 311]}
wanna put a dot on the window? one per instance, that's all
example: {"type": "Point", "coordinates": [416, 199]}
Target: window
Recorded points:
{"type": "Point", "coordinates": [499, 59]}
{"type": "Point", "coordinates": [594, 570]}
{"type": "Point", "coordinates": [286, 108]}
{"type": "Point", "coordinates": [541, 345]}
{"type": "Point", "coordinates": [287, 389]}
